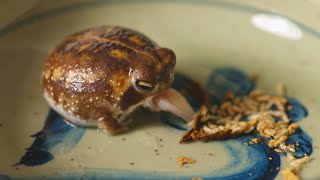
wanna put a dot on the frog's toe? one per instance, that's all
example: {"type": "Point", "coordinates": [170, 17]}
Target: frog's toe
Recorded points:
{"type": "Point", "coordinates": [111, 126]}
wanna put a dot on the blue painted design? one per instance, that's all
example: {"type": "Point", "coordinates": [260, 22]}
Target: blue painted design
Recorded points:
{"type": "Point", "coordinates": [305, 143]}
{"type": "Point", "coordinates": [4, 177]}
{"type": "Point", "coordinates": [55, 137]}
{"type": "Point", "coordinates": [297, 112]}
{"type": "Point", "coordinates": [247, 162]}
{"type": "Point", "coordinates": [227, 79]}
{"type": "Point", "coordinates": [259, 165]}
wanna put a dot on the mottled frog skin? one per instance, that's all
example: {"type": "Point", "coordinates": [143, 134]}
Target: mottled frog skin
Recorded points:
{"type": "Point", "coordinates": [91, 77]}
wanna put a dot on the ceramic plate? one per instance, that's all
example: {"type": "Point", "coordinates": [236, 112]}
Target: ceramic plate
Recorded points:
{"type": "Point", "coordinates": [210, 38]}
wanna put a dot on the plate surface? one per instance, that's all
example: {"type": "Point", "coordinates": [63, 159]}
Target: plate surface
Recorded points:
{"type": "Point", "coordinates": [204, 35]}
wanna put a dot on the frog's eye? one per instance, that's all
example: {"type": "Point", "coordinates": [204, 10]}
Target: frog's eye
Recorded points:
{"type": "Point", "coordinates": [144, 86]}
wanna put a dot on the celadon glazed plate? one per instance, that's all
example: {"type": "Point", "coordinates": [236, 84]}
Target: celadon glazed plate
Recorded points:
{"type": "Point", "coordinates": [215, 41]}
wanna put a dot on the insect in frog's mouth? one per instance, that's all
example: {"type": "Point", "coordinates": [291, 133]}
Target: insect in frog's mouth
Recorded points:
{"type": "Point", "coordinates": [170, 100]}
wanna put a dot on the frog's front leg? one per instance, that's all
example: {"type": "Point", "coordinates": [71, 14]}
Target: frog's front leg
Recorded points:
{"type": "Point", "coordinates": [109, 125]}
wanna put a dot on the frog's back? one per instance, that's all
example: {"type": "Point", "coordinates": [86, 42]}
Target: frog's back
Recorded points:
{"type": "Point", "coordinates": [91, 68]}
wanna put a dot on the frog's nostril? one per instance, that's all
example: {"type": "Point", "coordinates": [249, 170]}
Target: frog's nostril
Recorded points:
{"type": "Point", "coordinates": [167, 56]}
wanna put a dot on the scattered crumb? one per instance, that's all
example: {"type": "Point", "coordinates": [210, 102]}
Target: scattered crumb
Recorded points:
{"type": "Point", "coordinates": [197, 178]}
{"type": "Point", "coordinates": [156, 150]}
{"type": "Point", "coordinates": [71, 159]}
{"type": "Point", "coordinates": [289, 108]}
{"type": "Point", "coordinates": [160, 139]}
{"type": "Point", "coordinates": [289, 175]}
{"type": "Point", "coordinates": [123, 139]}
{"type": "Point", "coordinates": [270, 158]}
{"type": "Point", "coordinates": [161, 145]}
{"type": "Point", "coordinates": [278, 168]}
{"type": "Point", "coordinates": [246, 144]}
{"type": "Point", "coordinates": [182, 160]}
{"type": "Point", "coordinates": [290, 156]}
{"type": "Point", "coordinates": [292, 128]}
{"type": "Point", "coordinates": [297, 164]}
{"type": "Point", "coordinates": [254, 141]}
{"type": "Point", "coordinates": [281, 89]}
{"type": "Point", "coordinates": [254, 76]}
{"type": "Point", "coordinates": [17, 168]}
{"type": "Point", "coordinates": [278, 150]}
{"type": "Point", "coordinates": [210, 154]}
{"type": "Point", "coordinates": [132, 163]}
{"type": "Point", "coordinates": [157, 153]}
{"type": "Point", "coordinates": [89, 147]}
{"type": "Point", "coordinates": [310, 100]}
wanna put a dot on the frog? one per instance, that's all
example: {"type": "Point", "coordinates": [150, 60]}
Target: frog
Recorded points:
{"type": "Point", "coordinates": [98, 76]}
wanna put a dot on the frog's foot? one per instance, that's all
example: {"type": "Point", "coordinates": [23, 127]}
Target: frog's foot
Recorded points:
{"type": "Point", "coordinates": [110, 126]}
{"type": "Point", "coordinates": [126, 121]}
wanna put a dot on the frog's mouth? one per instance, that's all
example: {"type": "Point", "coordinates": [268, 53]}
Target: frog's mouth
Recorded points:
{"type": "Point", "coordinates": [172, 101]}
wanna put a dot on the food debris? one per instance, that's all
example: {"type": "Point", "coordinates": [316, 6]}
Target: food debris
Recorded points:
{"type": "Point", "coordinates": [228, 119]}
{"type": "Point", "coordinates": [290, 156]}
{"type": "Point", "coordinates": [278, 150]}
{"type": "Point", "coordinates": [297, 164]}
{"type": "Point", "coordinates": [254, 141]}
{"type": "Point", "coordinates": [182, 160]}
{"type": "Point", "coordinates": [236, 116]}
{"type": "Point", "coordinates": [259, 112]}
{"type": "Point", "coordinates": [281, 89]}
{"type": "Point", "coordinates": [197, 178]}
{"type": "Point", "coordinates": [288, 174]}
{"type": "Point", "coordinates": [254, 76]}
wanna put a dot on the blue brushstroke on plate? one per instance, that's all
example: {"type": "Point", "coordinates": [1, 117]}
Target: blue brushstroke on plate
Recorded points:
{"type": "Point", "coordinates": [227, 79]}
{"type": "Point", "coordinates": [246, 162]}
{"type": "Point", "coordinates": [4, 177]}
{"type": "Point", "coordinates": [56, 137]}
{"type": "Point", "coordinates": [305, 145]}
{"type": "Point", "coordinates": [298, 111]}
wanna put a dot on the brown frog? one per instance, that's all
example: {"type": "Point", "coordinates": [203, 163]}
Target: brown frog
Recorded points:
{"type": "Point", "coordinates": [97, 77]}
